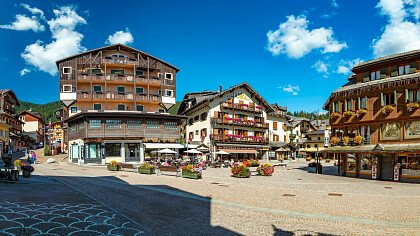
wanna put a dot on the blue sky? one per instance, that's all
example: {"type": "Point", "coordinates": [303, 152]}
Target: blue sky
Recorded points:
{"type": "Point", "coordinates": [294, 53]}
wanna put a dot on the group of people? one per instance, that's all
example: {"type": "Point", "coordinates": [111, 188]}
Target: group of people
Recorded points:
{"type": "Point", "coordinates": [31, 157]}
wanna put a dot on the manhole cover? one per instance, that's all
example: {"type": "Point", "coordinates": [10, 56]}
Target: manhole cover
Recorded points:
{"type": "Point", "coordinates": [388, 187]}
{"type": "Point", "coordinates": [288, 195]}
{"type": "Point", "coordinates": [335, 194]}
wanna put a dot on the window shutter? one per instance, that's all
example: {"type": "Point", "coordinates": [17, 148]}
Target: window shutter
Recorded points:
{"type": "Point", "coordinates": [352, 104]}
{"type": "Point", "coordinates": [383, 73]}
{"type": "Point", "coordinates": [340, 107]}
{"type": "Point", "coordinates": [406, 95]}
{"type": "Point", "coordinates": [366, 77]}
{"type": "Point", "coordinates": [395, 97]}
{"type": "Point", "coordinates": [413, 67]}
{"type": "Point", "coordinates": [394, 71]}
{"type": "Point", "coordinates": [382, 99]}
{"type": "Point", "coordinates": [216, 114]}
{"type": "Point", "coordinates": [358, 103]}
{"type": "Point", "coordinates": [275, 125]}
{"type": "Point", "coordinates": [333, 107]}
{"type": "Point", "coordinates": [345, 105]}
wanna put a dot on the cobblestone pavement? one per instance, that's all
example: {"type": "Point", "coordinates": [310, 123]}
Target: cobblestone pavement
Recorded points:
{"type": "Point", "coordinates": [291, 202]}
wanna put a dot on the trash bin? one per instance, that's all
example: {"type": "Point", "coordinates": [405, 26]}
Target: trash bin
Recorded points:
{"type": "Point", "coordinates": [319, 168]}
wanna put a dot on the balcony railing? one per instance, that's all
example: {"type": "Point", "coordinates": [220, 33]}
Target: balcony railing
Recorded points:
{"type": "Point", "coordinates": [239, 139]}
{"type": "Point", "coordinates": [124, 61]}
{"type": "Point", "coordinates": [114, 95]}
{"type": "Point", "coordinates": [242, 107]}
{"type": "Point", "coordinates": [241, 122]}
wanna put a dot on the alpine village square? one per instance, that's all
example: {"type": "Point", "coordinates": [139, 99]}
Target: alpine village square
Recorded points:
{"type": "Point", "coordinates": [164, 130]}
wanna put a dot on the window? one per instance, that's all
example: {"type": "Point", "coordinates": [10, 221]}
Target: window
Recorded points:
{"type": "Point", "coordinates": [170, 125]}
{"type": "Point", "coordinates": [139, 72]}
{"type": "Point", "coordinates": [196, 118]}
{"type": "Point", "coordinates": [139, 108]}
{"type": "Point", "coordinates": [73, 109]}
{"type": "Point", "coordinates": [404, 70]}
{"type": "Point", "coordinates": [375, 75]}
{"type": "Point", "coordinates": [121, 107]}
{"type": "Point", "coordinates": [204, 116]}
{"type": "Point", "coordinates": [308, 146]}
{"type": "Point", "coordinates": [190, 136]}
{"type": "Point", "coordinates": [67, 88]}
{"type": "Point", "coordinates": [117, 72]}
{"type": "Point", "coordinates": [349, 105]}
{"type": "Point", "coordinates": [203, 133]}
{"type": "Point", "coordinates": [351, 162]}
{"type": "Point", "coordinates": [152, 124]}
{"type": "Point", "coordinates": [196, 132]}
{"type": "Point", "coordinates": [66, 70]}
{"type": "Point", "coordinates": [168, 76]}
{"type": "Point", "coordinates": [121, 89]}
{"type": "Point", "coordinates": [412, 95]}
{"type": "Point", "coordinates": [161, 111]}
{"type": "Point", "coordinates": [94, 123]}
{"type": "Point", "coordinates": [336, 106]}
{"type": "Point", "coordinates": [388, 99]}
{"type": "Point", "coordinates": [81, 126]}
{"type": "Point", "coordinates": [190, 121]}
{"type": "Point", "coordinates": [169, 93]}
{"type": "Point", "coordinates": [97, 88]}
{"type": "Point", "coordinates": [97, 106]}
{"type": "Point", "coordinates": [133, 124]}
{"type": "Point", "coordinates": [365, 163]}
{"type": "Point", "coordinates": [113, 149]}
{"type": "Point", "coordinates": [139, 90]}
{"type": "Point", "coordinates": [362, 103]}
{"type": "Point", "coordinates": [160, 76]}
{"type": "Point", "coordinates": [113, 124]}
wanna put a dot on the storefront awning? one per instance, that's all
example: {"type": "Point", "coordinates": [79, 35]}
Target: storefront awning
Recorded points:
{"type": "Point", "coordinates": [378, 148]}
{"type": "Point", "coordinates": [231, 151]}
{"type": "Point", "coordinates": [164, 145]}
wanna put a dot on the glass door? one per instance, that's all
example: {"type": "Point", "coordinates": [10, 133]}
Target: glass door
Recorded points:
{"type": "Point", "coordinates": [93, 153]}
{"type": "Point", "coordinates": [132, 152]}
{"type": "Point", "coordinates": [74, 153]}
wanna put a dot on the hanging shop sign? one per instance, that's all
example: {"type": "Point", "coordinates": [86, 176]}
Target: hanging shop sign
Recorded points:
{"type": "Point", "coordinates": [373, 171]}
{"type": "Point", "coordinates": [396, 172]}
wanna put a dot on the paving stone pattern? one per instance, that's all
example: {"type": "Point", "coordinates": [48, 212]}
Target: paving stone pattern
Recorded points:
{"type": "Point", "coordinates": [18, 218]}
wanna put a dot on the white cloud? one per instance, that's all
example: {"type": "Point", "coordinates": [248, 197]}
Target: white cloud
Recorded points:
{"type": "Point", "coordinates": [402, 33]}
{"type": "Point", "coordinates": [65, 41]}
{"type": "Point", "coordinates": [293, 89]}
{"type": "Point", "coordinates": [321, 67]}
{"type": "Point", "coordinates": [23, 23]}
{"type": "Point", "coordinates": [344, 66]}
{"type": "Point", "coordinates": [334, 3]}
{"type": "Point", "coordinates": [295, 40]}
{"type": "Point", "coordinates": [24, 71]}
{"type": "Point", "coordinates": [122, 37]}
{"type": "Point", "coordinates": [33, 10]}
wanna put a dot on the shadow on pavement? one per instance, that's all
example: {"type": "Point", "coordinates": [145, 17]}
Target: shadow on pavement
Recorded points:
{"type": "Point", "coordinates": [326, 170]}
{"type": "Point", "coordinates": [280, 232]}
{"type": "Point", "coordinates": [83, 205]}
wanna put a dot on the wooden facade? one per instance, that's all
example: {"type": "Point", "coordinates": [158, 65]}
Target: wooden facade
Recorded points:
{"type": "Point", "coordinates": [379, 106]}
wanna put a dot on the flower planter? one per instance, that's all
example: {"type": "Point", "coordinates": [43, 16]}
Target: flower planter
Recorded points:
{"type": "Point", "coordinates": [147, 171]}
{"type": "Point", "coordinates": [253, 168]}
{"type": "Point", "coordinates": [26, 173]}
{"type": "Point", "coordinates": [241, 176]}
{"type": "Point", "coordinates": [113, 168]}
{"type": "Point", "coordinates": [191, 175]}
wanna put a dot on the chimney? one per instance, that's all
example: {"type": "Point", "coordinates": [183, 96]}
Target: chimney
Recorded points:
{"type": "Point", "coordinates": [220, 88]}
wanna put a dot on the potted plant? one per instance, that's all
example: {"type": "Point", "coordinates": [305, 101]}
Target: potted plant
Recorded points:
{"type": "Point", "coordinates": [113, 166]}
{"type": "Point", "coordinates": [361, 112]}
{"type": "Point", "coordinates": [146, 168]}
{"type": "Point", "coordinates": [190, 172]}
{"type": "Point", "coordinates": [26, 169]}
{"type": "Point", "coordinates": [240, 171]}
{"type": "Point", "coordinates": [412, 106]}
{"type": "Point", "coordinates": [387, 109]}
{"type": "Point", "coordinates": [347, 113]}
{"type": "Point", "coordinates": [358, 139]}
{"type": "Point", "coordinates": [265, 169]}
{"type": "Point", "coordinates": [18, 164]}
{"type": "Point", "coordinates": [346, 140]}
{"type": "Point", "coordinates": [334, 141]}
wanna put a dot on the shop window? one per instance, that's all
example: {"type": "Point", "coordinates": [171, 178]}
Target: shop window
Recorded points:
{"type": "Point", "coordinates": [351, 162]}
{"type": "Point", "coordinates": [94, 123]}
{"type": "Point", "coordinates": [410, 165]}
{"type": "Point", "coordinates": [113, 124]}
{"type": "Point", "coordinates": [113, 149]}
{"type": "Point", "coordinates": [365, 163]}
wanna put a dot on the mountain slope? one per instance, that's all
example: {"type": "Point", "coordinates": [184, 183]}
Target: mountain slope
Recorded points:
{"type": "Point", "coordinates": [46, 110]}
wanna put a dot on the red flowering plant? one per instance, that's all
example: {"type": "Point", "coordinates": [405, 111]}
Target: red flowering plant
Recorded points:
{"type": "Point", "coordinates": [265, 169]}
{"type": "Point", "coordinates": [412, 106]}
{"type": "Point", "coordinates": [387, 109]}
{"type": "Point", "coordinates": [240, 171]}
{"type": "Point", "coordinates": [246, 163]}
{"type": "Point", "coordinates": [26, 167]}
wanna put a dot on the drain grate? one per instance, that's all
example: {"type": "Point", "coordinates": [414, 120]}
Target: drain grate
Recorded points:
{"type": "Point", "coordinates": [335, 194]}
{"type": "Point", "coordinates": [288, 195]}
{"type": "Point", "coordinates": [388, 187]}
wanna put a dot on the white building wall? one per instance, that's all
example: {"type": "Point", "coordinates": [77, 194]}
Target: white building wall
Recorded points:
{"type": "Point", "coordinates": [30, 126]}
{"type": "Point", "coordinates": [280, 128]}
{"type": "Point", "coordinates": [198, 126]}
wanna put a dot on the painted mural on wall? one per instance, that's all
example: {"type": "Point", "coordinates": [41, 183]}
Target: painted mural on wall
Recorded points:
{"type": "Point", "coordinates": [412, 130]}
{"type": "Point", "coordinates": [391, 131]}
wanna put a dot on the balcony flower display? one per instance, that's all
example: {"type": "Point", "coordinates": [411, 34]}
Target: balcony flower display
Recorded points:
{"type": "Point", "coordinates": [259, 107]}
{"type": "Point", "coordinates": [238, 136]}
{"type": "Point", "coordinates": [243, 105]}
{"type": "Point", "coordinates": [348, 113]}
{"type": "Point", "coordinates": [361, 112]}
{"type": "Point", "coordinates": [358, 139]}
{"type": "Point", "coordinates": [412, 106]}
{"type": "Point", "coordinates": [240, 171]}
{"type": "Point", "coordinates": [334, 141]}
{"type": "Point", "coordinates": [238, 120]}
{"type": "Point", "coordinates": [387, 109]}
{"type": "Point", "coordinates": [346, 140]}
{"type": "Point", "coordinates": [228, 118]}
{"type": "Point", "coordinates": [334, 115]}
{"type": "Point", "coordinates": [265, 169]}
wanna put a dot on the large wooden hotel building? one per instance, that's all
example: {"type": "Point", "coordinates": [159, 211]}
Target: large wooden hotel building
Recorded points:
{"type": "Point", "coordinates": [375, 119]}
{"type": "Point", "coordinates": [116, 100]}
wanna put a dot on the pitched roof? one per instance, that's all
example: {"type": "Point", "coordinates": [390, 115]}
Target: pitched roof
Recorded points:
{"type": "Point", "coordinates": [389, 58]}
{"type": "Point", "coordinates": [116, 46]}
{"type": "Point", "coordinates": [245, 85]}
{"type": "Point", "coordinates": [352, 87]}
{"type": "Point", "coordinates": [2, 91]}
{"type": "Point", "coordinates": [33, 114]}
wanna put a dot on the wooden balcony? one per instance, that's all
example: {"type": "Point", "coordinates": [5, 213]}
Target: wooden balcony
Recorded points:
{"type": "Point", "coordinates": [240, 123]}
{"type": "Point", "coordinates": [239, 139]}
{"type": "Point", "coordinates": [242, 107]}
{"type": "Point", "coordinates": [119, 61]}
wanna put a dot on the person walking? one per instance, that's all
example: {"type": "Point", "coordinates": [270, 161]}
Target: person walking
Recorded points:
{"type": "Point", "coordinates": [33, 157]}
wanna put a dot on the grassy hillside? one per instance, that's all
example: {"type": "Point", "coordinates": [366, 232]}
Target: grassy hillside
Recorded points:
{"type": "Point", "coordinates": [46, 110]}
{"type": "Point", "coordinates": [174, 109]}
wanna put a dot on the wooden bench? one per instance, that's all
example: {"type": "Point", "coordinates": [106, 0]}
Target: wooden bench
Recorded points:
{"type": "Point", "coordinates": [169, 169]}
{"type": "Point", "coordinates": [127, 166]}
